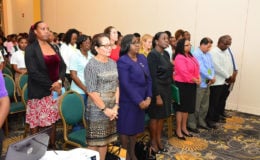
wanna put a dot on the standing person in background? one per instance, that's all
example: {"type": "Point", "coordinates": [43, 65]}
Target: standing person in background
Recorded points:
{"type": "Point", "coordinates": [229, 82]}
{"type": "Point", "coordinates": [161, 70]}
{"type": "Point", "coordinates": [186, 36]}
{"type": "Point", "coordinates": [173, 43]}
{"type": "Point", "coordinates": [46, 70]}
{"type": "Point", "coordinates": [224, 72]}
{"type": "Point", "coordinates": [111, 32]}
{"type": "Point", "coordinates": [68, 49]}
{"type": "Point", "coordinates": [146, 44]}
{"type": "Point", "coordinates": [4, 106]}
{"type": "Point", "coordinates": [138, 36]}
{"type": "Point", "coordinates": [17, 61]}
{"type": "Point", "coordinates": [179, 34]}
{"type": "Point", "coordinates": [207, 74]}
{"type": "Point", "coordinates": [120, 36]}
{"type": "Point", "coordinates": [101, 79]}
{"type": "Point", "coordinates": [135, 93]}
{"type": "Point", "coordinates": [78, 63]}
{"type": "Point", "coordinates": [186, 77]}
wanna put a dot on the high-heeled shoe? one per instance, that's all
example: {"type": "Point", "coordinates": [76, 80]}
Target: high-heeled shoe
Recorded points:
{"type": "Point", "coordinates": [188, 135]}
{"type": "Point", "coordinates": [152, 153]}
{"type": "Point", "coordinates": [181, 138]}
{"type": "Point", "coordinates": [162, 150]}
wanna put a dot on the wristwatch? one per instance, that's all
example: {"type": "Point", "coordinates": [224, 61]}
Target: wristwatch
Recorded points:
{"type": "Point", "coordinates": [103, 109]}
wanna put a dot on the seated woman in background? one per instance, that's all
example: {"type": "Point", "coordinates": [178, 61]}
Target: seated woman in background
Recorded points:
{"type": "Point", "coordinates": [135, 93]}
{"type": "Point", "coordinates": [17, 61]}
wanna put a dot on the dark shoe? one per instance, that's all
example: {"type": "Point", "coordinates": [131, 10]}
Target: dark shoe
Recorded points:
{"type": "Point", "coordinates": [162, 150]}
{"type": "Point", "coordinates": [226, 115]}
{"type": "Point", "coordinates": [181, 138]}
{"type": "Point", "coordinates": [194, 130]}
{"type": "Point", "coordinates": [204, 127]}
{"type": "Point", "coordinates": [212, 125]}
{"type": "Point", "coordinates": [152, 154]}
{"type": "Point", "coordinates": [222, 117]}
{"type": "Point", "coordinates": [221, 121]}
{"type": "Point", "coordinates": [187, 135]}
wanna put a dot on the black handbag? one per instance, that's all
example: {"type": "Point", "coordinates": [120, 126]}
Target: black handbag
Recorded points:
{"type": "Point", "coordinates": [142, 149]}
{"type": "Point", "coordinates": [113, 154]}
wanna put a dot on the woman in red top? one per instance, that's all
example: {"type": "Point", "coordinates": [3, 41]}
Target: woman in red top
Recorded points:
{"type": "Point", "coordinates": [186, 77]}
{"type": "Point", "coordinates": [113, 36]}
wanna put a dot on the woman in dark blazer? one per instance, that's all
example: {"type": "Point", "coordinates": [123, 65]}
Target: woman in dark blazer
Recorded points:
{"type": "Point", "coordinates": [161, 70]}
{"type": "Point", "coordinates": [46, 69]}
{"type": "Point", "coordinates": [135, 86]}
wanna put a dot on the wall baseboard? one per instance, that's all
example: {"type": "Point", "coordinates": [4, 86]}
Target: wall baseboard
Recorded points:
{"type": "Point", "coordinates": [243, 108]}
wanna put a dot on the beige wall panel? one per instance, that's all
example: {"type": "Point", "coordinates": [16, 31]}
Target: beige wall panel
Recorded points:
{"type": "Point", "coordinates": [249, 93]}
{"type": "Point", "coordinates": [213, 18]}
{"type": "Point", "coordinates": [22, 15]}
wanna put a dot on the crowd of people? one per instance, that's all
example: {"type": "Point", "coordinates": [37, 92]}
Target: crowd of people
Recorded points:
{"type": "Point", "coordinates": [122, 78]}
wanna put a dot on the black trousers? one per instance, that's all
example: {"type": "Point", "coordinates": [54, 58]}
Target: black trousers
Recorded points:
{"type": "Point", "coordinates": [215, 103]}
{"type": "Point", "coordinates": [223, 98]}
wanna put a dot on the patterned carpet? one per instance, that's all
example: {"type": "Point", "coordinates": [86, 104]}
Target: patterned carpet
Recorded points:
{"type": "Point", "coordinates": [238, 139]}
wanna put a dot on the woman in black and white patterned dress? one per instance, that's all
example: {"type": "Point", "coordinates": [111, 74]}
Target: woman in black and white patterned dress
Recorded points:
{"type": "Point", "coordinates": [102, 109]}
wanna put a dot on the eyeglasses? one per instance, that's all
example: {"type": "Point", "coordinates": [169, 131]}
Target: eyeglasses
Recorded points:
{"type": "Point", "coordinates": [106, 45]}
{"type": "Point", "coordinates": [136, 43]}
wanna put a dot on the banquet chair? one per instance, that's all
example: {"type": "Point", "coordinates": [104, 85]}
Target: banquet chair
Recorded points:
{"type": "Point", "coordinates": [175, 101]}
{"type": "Point", "coordinates": [15, 106]}
{"type": "Point", "coordinates": [72, 109]}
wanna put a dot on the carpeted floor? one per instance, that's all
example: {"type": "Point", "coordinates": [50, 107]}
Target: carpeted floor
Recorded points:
{"type": "Point", "coordinates": [238, 139]}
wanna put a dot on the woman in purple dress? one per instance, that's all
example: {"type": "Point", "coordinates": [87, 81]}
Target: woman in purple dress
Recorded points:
{"type": "Point", "coordinates": [135, 93]}
{"type": "Point", "coordinates": [4, 106]}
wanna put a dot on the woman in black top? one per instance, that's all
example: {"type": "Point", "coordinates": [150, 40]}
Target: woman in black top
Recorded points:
{"type": "Point", "coordinates": [46, 69]}
{"type": "Point", "coordinates": [161, 72]}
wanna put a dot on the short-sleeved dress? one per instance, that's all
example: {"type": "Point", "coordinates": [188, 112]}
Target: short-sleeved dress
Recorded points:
{"type": "Point", "coordinates": [102, 78]}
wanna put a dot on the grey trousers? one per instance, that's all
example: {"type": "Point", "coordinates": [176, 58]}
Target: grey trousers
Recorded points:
{"type": "Point", "coordinates": [201, 108]}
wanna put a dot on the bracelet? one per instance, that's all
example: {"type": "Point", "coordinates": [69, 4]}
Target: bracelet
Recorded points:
{"type": "Point", "coordinates": [103, 109]}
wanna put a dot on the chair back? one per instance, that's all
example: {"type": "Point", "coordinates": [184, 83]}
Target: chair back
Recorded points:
{"type": "Point", "coordinates": [7, 71]}
{"type": "Point", "coordinates": [72, 108]}
{"type": "Point", "coordinates": [175, 94]}
{"type": "Point", "coordinates": [25, 94]}
{"type": "Point", "coordinates": [10, 86]}
{"type": "Point", "coordinates": [22, 81]}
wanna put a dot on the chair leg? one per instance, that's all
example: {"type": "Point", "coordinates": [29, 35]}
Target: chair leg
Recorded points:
{"type": "Point", "coordinates": [6, 127]}
{"type": "Point", "coordinates": [64, 146]}
{"type": "Point", "coordinates": [26, 130]}
{"type": "Point", "coordinates": [170, 126]}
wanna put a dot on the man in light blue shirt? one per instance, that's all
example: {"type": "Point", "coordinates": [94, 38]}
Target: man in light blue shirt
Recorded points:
{"type": "Point", "coordinates": [207, 75]}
